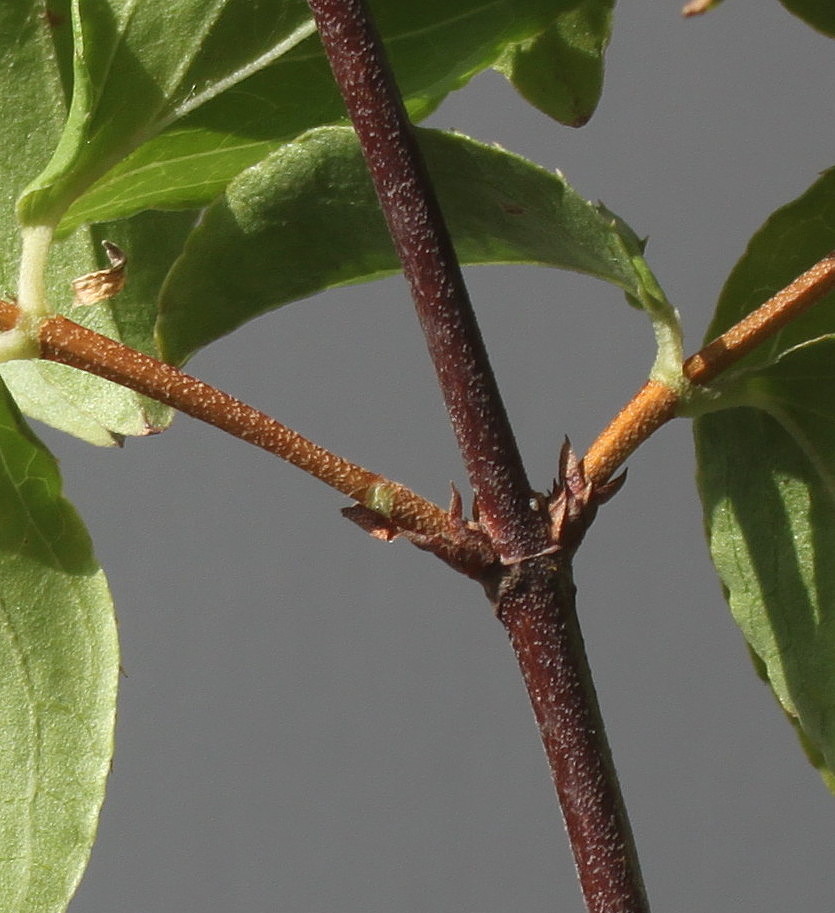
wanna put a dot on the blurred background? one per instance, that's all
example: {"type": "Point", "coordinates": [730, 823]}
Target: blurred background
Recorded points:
{"type": "Point", "coordinates": [313, 722]}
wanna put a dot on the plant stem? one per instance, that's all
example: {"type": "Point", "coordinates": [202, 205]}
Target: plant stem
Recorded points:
{"type": "Point", "coordinates": [654, 404]}
{"type": "Point", "coordinates": [69, 343]}
{"type": "Point", "coordinates": [472, 397]}
{"type": "Point", "coordinates": [779, 311]}
{"type": "Point", "coordinates": [536, 605]}
{"type": "Point", "coordinates": [650, 408]}
{"type": "Point", "coordinates": [532, 593]}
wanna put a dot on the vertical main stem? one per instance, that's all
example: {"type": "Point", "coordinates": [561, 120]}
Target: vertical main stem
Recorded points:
{"type": "Point", "coordinates": [534, 592]}
{"type": "Point", "coordinates": [536, 605]}
{"type": "Point", "coordinates": [411, 209]}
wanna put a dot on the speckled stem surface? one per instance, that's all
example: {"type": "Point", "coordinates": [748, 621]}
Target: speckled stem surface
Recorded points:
{"type": "Point", "coordinates": [422, 241]}
{"type": "Point", "coordinates": [68, 343]}
{"type": "Point", "coordinates": [533, 596]}
{"type": "Point", "coordinates": [535, 602]}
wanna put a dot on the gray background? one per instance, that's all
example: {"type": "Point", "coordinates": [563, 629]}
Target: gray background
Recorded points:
{"type": "Point", "coordinates": [311, 721]}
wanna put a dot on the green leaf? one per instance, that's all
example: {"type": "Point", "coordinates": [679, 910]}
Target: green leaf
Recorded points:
{"type": "Point", "coordinates": [767, 481]}
{"type": "Point", "coordinates": [32, 109]}
{"type": "Point", "coordinates": [560, 71]}
{"type": "Point", "coordinates": [767, 473]}
{"type": "Point", "coordinates": [435, 46]}
{"type": "Point", "coordinates": [140, 67]}
{"type": "Point", "coordinates": [820, 14]}
{"type": "Point", "coordinates": [307, 219]}
{"type": "Point", "coordinates": [58, 675]}
{"type": "Point", "coordinates": [789, 242]}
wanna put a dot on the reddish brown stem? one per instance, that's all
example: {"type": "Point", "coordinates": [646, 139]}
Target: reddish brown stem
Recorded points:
{"type": "Point", "coordinates": [420, 236]}
{"type": "Point", "coordinates": [536, 605]}
{"type": "Point", "coordinates": [530, 592]}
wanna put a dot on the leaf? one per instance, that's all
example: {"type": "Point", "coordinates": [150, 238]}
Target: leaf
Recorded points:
{"type": "Point", "coordinates": [307, 219]}
{"type": "Point", "coordinates": [767, 481]}
{"type": "Point", "coordinates": [58, 675]}
{"type": "Point", "coordinates": [820, 14]}
{"type": "Point", "coordinates": [227, 79]}
{"type": "Point", "coordinates": [767, 473]}
{"type": "Point", "coordinates": [560, 71]}
{"type": "Point", "coordinates": [435, 48]}
{"type": "Point", "coordinates": [141, 66]}
{"type": "Point", "coordinates": [32, 111]}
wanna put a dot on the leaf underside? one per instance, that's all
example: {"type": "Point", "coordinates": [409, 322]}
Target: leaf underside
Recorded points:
{"type": "Point", "coordinates": [560, 71]}
{"type": "Point", "coordinates": [767, 474]}
{"type": "Point", "coordinates": [307, 219]}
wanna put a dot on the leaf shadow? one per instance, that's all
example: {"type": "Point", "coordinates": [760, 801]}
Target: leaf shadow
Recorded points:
{"type": "Point", "coordinates": [778, 564]}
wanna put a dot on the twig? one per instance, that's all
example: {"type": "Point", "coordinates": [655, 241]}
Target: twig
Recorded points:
{"type": "Point", "coordinates": [63, 341]}
{"type": "Point", "coordinates": [420, 236]}
{"type": "Point", "coordinates": [654, 404]}
{"type": "Point", "coordinates": [779, 311]}
{"type": "Point", "coordinates": [650, 408]}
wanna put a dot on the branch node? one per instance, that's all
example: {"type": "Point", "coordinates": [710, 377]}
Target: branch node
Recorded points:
{"type": "Point", "coordinates": [574, 500]}
{"type": "Point", "coordinates": [462, 545]}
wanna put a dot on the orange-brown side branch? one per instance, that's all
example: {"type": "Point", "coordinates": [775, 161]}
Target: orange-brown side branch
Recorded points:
{"type": "Point", "coordinates": [71, 344]}
{"type": "Point", "coordinates": [787, 305]}
{"type": "Point", "coordinates": [652, 406]}
{"type": "Point", "coordinates": [63, 341]}
{"type": "Point", "coordinates": [655, 404]}
{"type": "Point", "coordinates": [9, 314]}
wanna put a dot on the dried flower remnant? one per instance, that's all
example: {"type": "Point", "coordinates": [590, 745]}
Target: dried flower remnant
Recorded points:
{"type": "Point", "coordinates": [103, 283]}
